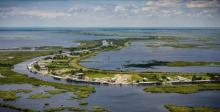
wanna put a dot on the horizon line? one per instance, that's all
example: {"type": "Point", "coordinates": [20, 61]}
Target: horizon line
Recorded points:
{"type": "Point", "coordinates": [184, 27]}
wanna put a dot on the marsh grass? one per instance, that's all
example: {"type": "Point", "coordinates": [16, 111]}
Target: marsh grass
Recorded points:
{"type": "Point", "coordinates": [8, 95]}
{"type": "Point", "coordinates": [76, 109]}
{"type": "Point", "coordinates": [58, 109]}
{"type": "Point", "coordinates": [39, 96]}
{"type": "Point", "coordinates": [153, 63]}
{"type": "Point", "coordinates": [99, 109]}
{"type": "Point", "coordinates": [12, 94]}
{"type": "Point", "coordinates": [83, 103]}
{"type": "Point", "coordinates": [16, 108]}
{"type": "Point", "coordinates": [174, 108]}
{"type": "Point", "coordinates": [183, 89]}
{"type": "Point", "coordinates": [82, 94]}
{"type": "Point", "coordinates": [56, 91]}
{"type": "Point", "coordinates": [185, 63]}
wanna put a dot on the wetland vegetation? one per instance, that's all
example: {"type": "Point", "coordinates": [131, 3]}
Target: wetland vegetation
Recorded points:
{"type": "Point", "coordinates": [174, 108]}
{"type": "Point", "coordinates": [39, 96]}
{"type": "Point", "coordinates": [183, 89]}
{"type": "Point", "coordinates": [57, 109]}
{"type": "Point", "coordinates": [12, 94]}
{"type": "Point", "coordinates": [16, 108]}
{"type": "Point", "coordinates": [11, 77]}
{"type": "Point", "coordinates": [153, 63]}
{"type": "Point", "coordinates": [56, 91]}
{"type": "Point", "coordinates": [77, 109]}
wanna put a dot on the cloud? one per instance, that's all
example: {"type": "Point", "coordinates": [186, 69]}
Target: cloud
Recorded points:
{"type": "Point", "coordinates": [41, 13]}
{"type": "Point", "coordinates": [85, 10]}
{"type": "Point", "coordinates": [163, 3]}
{"type": "Point", "coordinates": [154, 7]}
{"type": "Point", "coordinates": [203, 4]}
{"type": "Point", "coordinates": [207, 13]}
{"type": "Point", "coordinates": [77, 9]}
{"type": "Point", "coordinates": [176, 8]}
{"type": "Point", "coordinates": [171, 12]}
{"type": "Point", "coordinates": [120, 8]}
{"type": "Point", "coordinates": [112, 12]}
{"type": "Point", "coordinates": [187, 4]}
{"type": "Point", "coordinates": [99, 8]}
{"type": "Point", "coordinates": [144, 9]}
{"type": "Point", "coordinates": [16, 11]}
{"type": "Point", "coordinates": [148, 3]}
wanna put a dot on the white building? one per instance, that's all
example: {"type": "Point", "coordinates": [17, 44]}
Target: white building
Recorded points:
{"type": "Point", "coordinates": [106, 43]}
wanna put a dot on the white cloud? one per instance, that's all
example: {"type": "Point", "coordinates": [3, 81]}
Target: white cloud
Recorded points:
{"type": "Point", "coordinates": [146, 8]}
{"type": "Point", "coordinates": [16, 11]}
{"type": "Point", "coordinates": [155, 7]}
{"type": "Point", "coordinates": [149, 8]}
{"type": "Point", "coordinates": [120, 8]}
{"type": "Point", "coordinates": [203, 4]}
{"type": "Point", "coordinates": [176, 8]}
{"type": "Point", "coordinates": [206, 13]}
{"type": "Point", "coordinates": [163, 3]}
{"type": "Point", "coordinates": [76, 9]}
{"type": "Point", "coordinates": [149, 3]}
{"type": "Point", "coordinates": [171, 12]}
{"type": "Point", "coordinates": [40, 13]}
{"type": "Point", "coordinates": [99, 8]}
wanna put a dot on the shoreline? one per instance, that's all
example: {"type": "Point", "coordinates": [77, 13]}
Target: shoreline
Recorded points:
{"type": "Point", "coordinates": [87, 49]}
{"type": "Point", "coordinates": [75, 80]}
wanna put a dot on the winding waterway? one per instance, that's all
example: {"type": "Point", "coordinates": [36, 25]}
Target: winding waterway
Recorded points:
{"type": "Point", "coordinates": [123, 98]}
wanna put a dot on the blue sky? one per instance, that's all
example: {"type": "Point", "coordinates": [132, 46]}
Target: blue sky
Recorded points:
{"type": "Point", "coordinates": [110, 13]}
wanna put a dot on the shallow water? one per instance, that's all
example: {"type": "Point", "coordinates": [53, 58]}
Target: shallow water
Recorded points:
{"type": "Point", "coordinates": [38, 104]}
{"type": "Point", "coordinates": [7, 110]}
{"type": "Point", "coordinates": [137, 52]}
{"type": "Point", "coordinates": [134, 99]}
{"type": "Point", "coordinates": [122, 98]}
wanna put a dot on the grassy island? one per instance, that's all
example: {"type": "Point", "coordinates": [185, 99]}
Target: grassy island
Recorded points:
{"type": "Point", "coordinates": [77, 109]}
{"type": "Point", "coordinates": [83, 103]}
{"type": "Point", "coordinates": [39, 96]}
{"type": "Point", "coordinates": [56, 91]}
{"type": "Point", "coordinates": [16, 108]}
{"type": "Point", "coordinates": [183, 89]}
{"type": "Point", "coordinates": [153, 63]}
{"type": "Point", "coordinates": [174, 108]}
{"type": "Point", "coordinates": [11, 94]}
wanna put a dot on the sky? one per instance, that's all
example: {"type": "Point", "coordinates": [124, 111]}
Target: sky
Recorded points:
{"type": "Point", "coordinates": [110, 13]}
